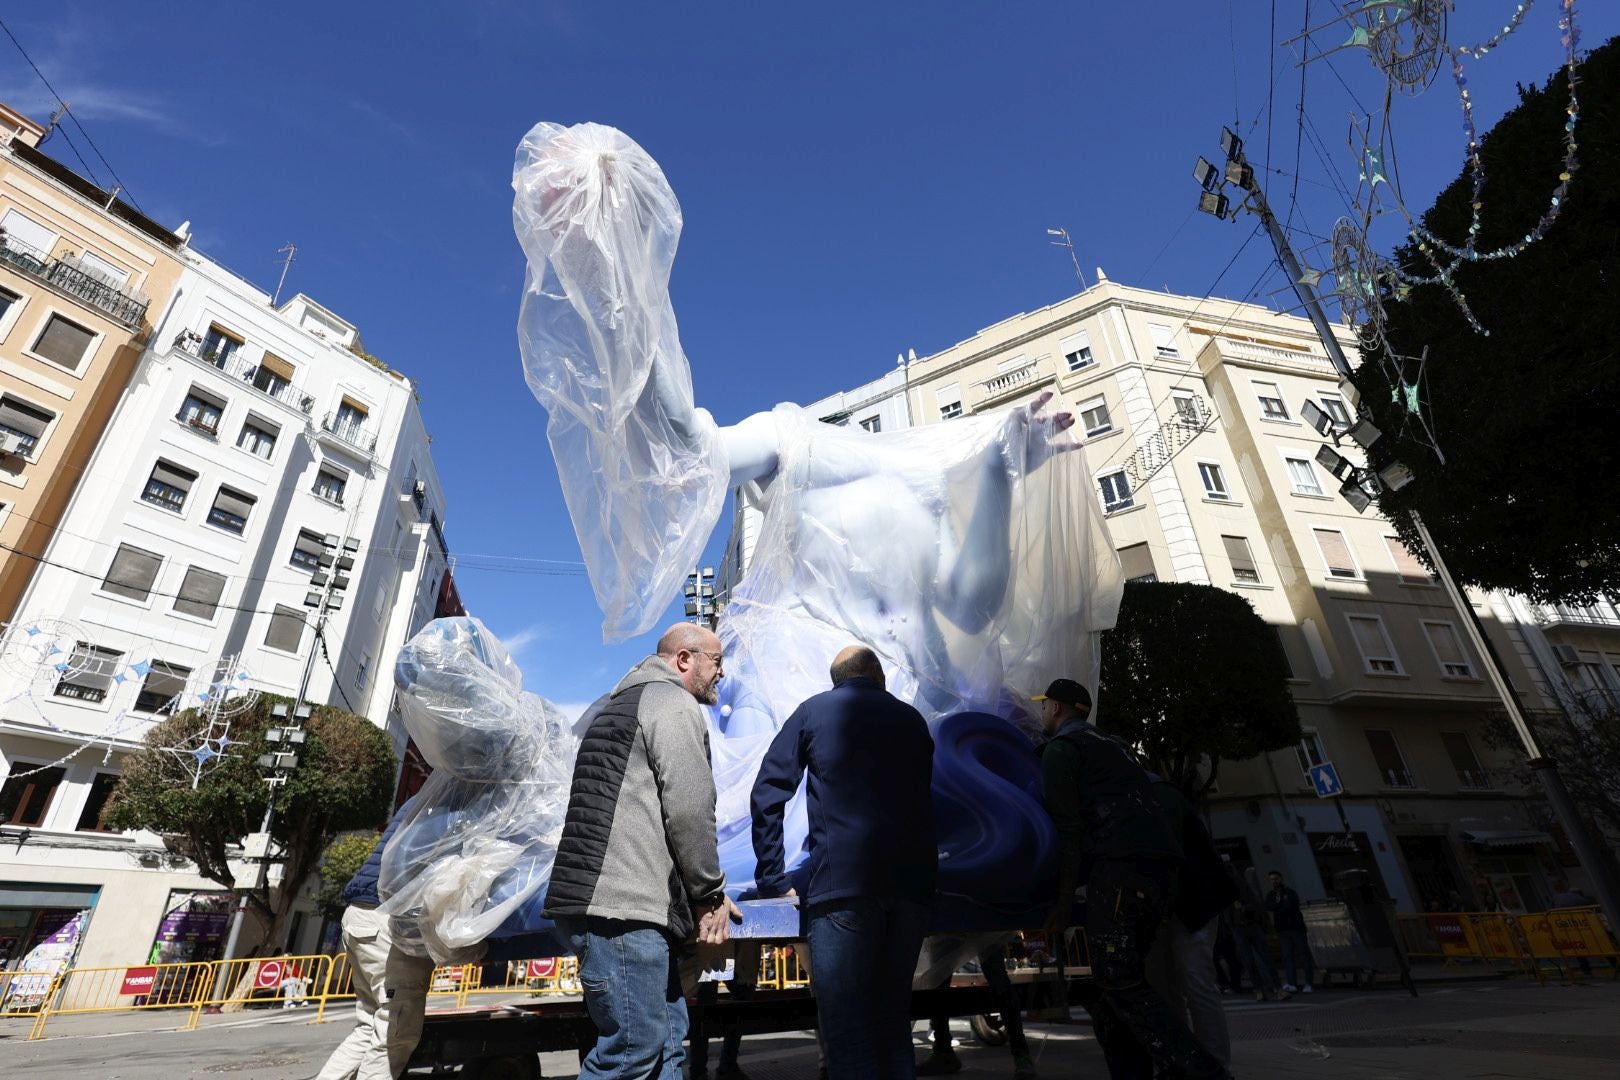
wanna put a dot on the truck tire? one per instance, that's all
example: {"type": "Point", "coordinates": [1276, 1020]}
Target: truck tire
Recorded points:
{"type": "Point", "coordinates": [505, 1067]}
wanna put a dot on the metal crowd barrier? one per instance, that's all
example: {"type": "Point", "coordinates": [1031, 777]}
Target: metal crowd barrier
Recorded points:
{"type": "Point", "coordinates": [1523, 943]}
{"type": "Point", "coordinates": [119, 989]}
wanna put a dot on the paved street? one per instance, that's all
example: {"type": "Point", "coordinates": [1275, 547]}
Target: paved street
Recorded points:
{"type": "Point", "coordinates": [1497, 1029]}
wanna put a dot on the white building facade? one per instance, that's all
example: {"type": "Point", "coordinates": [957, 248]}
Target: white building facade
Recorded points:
{"type": "Point", "coordinates": [249, 435]}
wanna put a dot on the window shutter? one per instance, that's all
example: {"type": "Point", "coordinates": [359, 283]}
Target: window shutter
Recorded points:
{"type": "Point", "coordinates": [1243, 567]}
{"type": "Point", "coordinates": [234, 502]}
{"type": "Point", "coordinates": [132, 572]}
{"type": "Point", "coordinates": [276, 366]}
{"type": "Point", "coordinates": [1411, 571]}
{"type": "Point", "coordinates": [1136, 561]}
{"type": "Point", "coordinates": [64, 342]}
{"type": "Point", "coordinates": [286, 629]}
{"type": "Point", "coordinates": [21, 416]}
{"type": "Point", "coordinates": [200, 593]}
{"type": "Point", "coordinates": [173, 476]}
{"type": "Point", "coordinates": [1370, 639]}
{"type": "Point", "coordinates": [1335, 552]}
{"type": "Point", "coordinates": [28, 231]}
{"type": "Point", "coordinates": [947, 395]}
{"type": "Point", "coordinates": [1162, 336]}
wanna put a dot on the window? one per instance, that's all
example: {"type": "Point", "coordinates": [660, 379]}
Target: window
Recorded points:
{"type": "Point", "coordinates": [1076, 349]}
{"type": "Point", "coordinates": [1272, 406]}
{"type": "Point", "coordinates": [101, 269]}
{"type": "Point", "coordinates": [1336, 410]}
{"type": "Point", "coordinates": [307, 549]}
{"type": "Point", "coordinates": [219, 346]}
{"type": "Point", "coordinates": [1188, 409]}
{"type": "Point", "coordinates": [200, 593]}
{"type": "Point", "coordinates": [351, 417]}
{"type": "Point", "coordinates": [1336, 554]}
{"type": "Point", "coordinates": [1448, 650]}
{"type": "Point", "coordinates": [22, 425]}
{"type": "Point", "coordinates": [7, 300]}
{"type": "Point", "coordinates": [101, 789]}
{"type": "Point", "coordinates": [132, 573]}
{"type": "Point", "coordinates": [25, 799]}
{"type": "Point", "coordinates": [1163, 342]}
{"type": "Point", "coordinates": [1094, 417]}
{"type": "Point", "coordinates": [201, 412]}
{"type": "Point", "coordinates": [1136, 563]}
{"type": "Point", "coordinates": [1377, 653]}
{"type": "Point", "coordinates": [1411, 571]}
{"type": "Point", "coordinates": [329, 486]}
{"type": "Point", "coordinates": [1386, 752]}
{"type": "Point", "coordinates": [361, 671]}
{"type": "Point", "coordinates": [1214, 482]}
{"type": "Point", "coordinates": [1116, 491]}
{"type": "Point", "coordinates": [27, 236]}
{"type": "Point", "coordinates": [1311, 752]}
{"type": "Point", "coordinates": [64, 342]}
{"type": "Point", "coordinates": [1303, 475]}
{"type": "Point", "coordinates": [257, 438]}
{"type": "Point", "coordinates": [273, 375]}
{"type": "Point", "coordinates": [161, 691]}
{"type": "Point", "coordinates": [89, 673]}
{"type": "Point", "coordinates": [1242, 559]}
{"type": "Point", "coordinates": [948, 399]}
{"type": "Point", "coordinates": [950, 411]}
{"type": "Point", "coordinates": [286, 629]}
{"type": "Point", "coordinates": [168, 486]}
{"type": "Point", "coordinates": [874, 424]}
{"type": "Point", "coordinates": [1464, 760]}
{"type": "Point", "coordinates": [230, 510]}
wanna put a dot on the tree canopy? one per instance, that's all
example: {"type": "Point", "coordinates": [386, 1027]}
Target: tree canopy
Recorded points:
{"type": "Point", "coordinates": [343, 858]}
{"type": "Point", "coordinates": [1526, 499]}
{"type": "Point", "coordinates": [1192, 676]}
{"type": "Point", "coordinates": [344, 782]}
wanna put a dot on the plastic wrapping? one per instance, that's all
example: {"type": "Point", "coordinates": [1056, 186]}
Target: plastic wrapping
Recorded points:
{"type": "Point", "coordinates": [478, 840]}
{"type": "Point", "coordinates": [642, 471]}
{"type": "Point", "coordinates": [971, 555]}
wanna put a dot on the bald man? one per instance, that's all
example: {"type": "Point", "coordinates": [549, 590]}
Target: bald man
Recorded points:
{"type": "Point", "coordinates": [638, 870]}
{"type": "Point", "coordinates": [870, 881]}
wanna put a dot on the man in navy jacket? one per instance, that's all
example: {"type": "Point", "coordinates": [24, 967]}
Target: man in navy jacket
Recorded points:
{"type": "Point", "coordinates": [872, 858]}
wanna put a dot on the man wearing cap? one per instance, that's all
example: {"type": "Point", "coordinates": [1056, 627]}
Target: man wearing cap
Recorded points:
{"type": "Point", "coordinates": [1116, 840]}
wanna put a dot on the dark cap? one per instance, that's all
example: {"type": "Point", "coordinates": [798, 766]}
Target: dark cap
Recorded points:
{"type": "Point", "coordinates": [1068, 692]}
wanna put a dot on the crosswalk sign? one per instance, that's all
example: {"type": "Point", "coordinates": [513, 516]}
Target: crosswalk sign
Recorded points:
{"type": "Point", "coordinates": [1325, 779]}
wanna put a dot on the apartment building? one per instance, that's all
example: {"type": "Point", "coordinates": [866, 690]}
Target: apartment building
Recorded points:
{"type": "Point", "coordinates": [83, 274]}
{"type": "Point", "coordinates": [1190, 414]}
{"type": "Point", "coordinates": [257, 446]}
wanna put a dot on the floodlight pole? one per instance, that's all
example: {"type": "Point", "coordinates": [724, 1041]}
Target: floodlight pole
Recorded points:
{"type": "Point", "coordinates": [1586, 848]}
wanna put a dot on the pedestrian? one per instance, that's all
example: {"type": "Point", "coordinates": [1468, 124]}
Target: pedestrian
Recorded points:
{"type": "Point", "coordinates": [390, 985]}
{"type": "Point", "coordinates": [638, 868]}
{"type": "Point", "coordinates": [1181, 964]}
{"type": "Point", "coordinates": [1249, 933]}
{"type": "Point", "coordinates": [1115, 839]}
{"type": "Point", "coordinates": [1282, 904]}
{"type": "Point", "coordinates": [942, 1059]}
{"type": "Point", "coordinates": [741, 986]}
{"type": "Point", "coordinates": [872, 858]}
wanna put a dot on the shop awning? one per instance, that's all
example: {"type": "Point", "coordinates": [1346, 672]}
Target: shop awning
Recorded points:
{"type": "Point", "coordinates": [1506, 839]}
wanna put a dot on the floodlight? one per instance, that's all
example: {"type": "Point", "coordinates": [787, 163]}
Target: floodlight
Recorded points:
{"type": "Point", "coordinates": [1364, 432]}
{"type": "Point", "coordinates": [1355, 495]}
{"type": "Point", "coordinates": [1395, 475]}
{"type": "Point", "coordinates": [1321, 421]}
{"type": "Point", "coordinates": [319, 579]}
{"type": "Point", "coordinates": [351, 544]}
{"type": "Point", "coordinates": [267, 761]}
{"type": "Point", "coordinates": [1213, 202]}
{"type": "Point", "coordinates": [336, 603]}
{"type": "Point", "coordinates": [1240, 173]}
{"type": "Point", "coordinates": [690, 589]}
{"type": "Point", "coordinates": [302, 712]}
{"type": "Point", "coordinates": [1231, 144]}
{"type": "Point", "coordinates": [273, 734]}
{"type": "Point", "coordinates": [1207, 175]}
{"type": "Point", "coordinates": [1334, 462]}
{"type": "Point", "coordinates": [312, 599]}
{"type": "Point", "coordinates": [331, 540]}
{"type": "Point", "coordinates": [708, 571]}
{"type": "Point", "coordinates": [279, 711]}
{"type": "Point", "coordinates": [296, 736]}
{"type": "Point", "coordinates": [1056, 232]}
{"type": "Point", "coordinates": [691, 607]}
{"type": "Point", "coordinates": [345, 562]}
{"type": "Point", "coordinates": [340, 581]}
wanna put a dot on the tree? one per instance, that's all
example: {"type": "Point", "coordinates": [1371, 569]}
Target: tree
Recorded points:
{"type": "Point", "coordinates": [1191, 676]}
{"type": "Point", "coordinates": [343, 858]}
{"type": "Point", "coordinates": [1527, 499]}
{"type": "Point", "coordinates": [1584, 738]}
{"type": "Point", "coordinates": [344, 781]}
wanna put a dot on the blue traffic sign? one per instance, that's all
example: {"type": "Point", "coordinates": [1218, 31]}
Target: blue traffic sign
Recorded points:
{"type": "Point", "coordinates": [1325, 779]}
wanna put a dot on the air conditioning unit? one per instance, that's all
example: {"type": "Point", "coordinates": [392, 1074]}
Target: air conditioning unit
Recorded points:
{"type": "Point", "coordinates": [1566, 655]}
{"type": "Point", "coordinates": [11, 444]}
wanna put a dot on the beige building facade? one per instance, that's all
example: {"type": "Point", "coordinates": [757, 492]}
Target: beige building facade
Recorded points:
{"type": "Point", "coordinates": [1190, 414]}
{"type": "Point", "coordinates": [83, 277]}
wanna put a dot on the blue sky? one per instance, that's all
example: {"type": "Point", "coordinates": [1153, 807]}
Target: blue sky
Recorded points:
{"type": "Point", "coordinates": [857, 180]}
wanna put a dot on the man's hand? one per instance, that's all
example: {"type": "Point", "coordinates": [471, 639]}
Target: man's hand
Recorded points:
{"type": "Point", "coordinates": [715, 919]}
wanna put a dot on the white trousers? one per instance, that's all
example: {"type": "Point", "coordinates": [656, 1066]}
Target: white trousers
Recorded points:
{"type": "Point", "coordinates": [390, 995]}
{"type": "Point", "coordinates": [1181, 967]}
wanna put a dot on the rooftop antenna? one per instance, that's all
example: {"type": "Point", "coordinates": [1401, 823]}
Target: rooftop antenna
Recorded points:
{"type": "Point", "coordinates": [56, 118]}
{"type": "Point", "coordinates": [1063, 241]}
{"type": "Point", "coordinates": [290, 250]}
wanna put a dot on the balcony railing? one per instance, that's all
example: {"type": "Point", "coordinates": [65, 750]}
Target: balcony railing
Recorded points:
{"type": "Point", "coordinates": [1019, 380]}
{"type": "Point", "coordinates": [349, 432]}
{"type": "Point", "coordinates": [1601, 613]}
{"type": "Point", "coordinates": [271, 386]}
{"type": "Point", "coordinates": [121, 304]}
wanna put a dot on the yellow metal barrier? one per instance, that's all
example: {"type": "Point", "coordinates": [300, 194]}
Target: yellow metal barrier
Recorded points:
{"type": "Point", "coordinates": [1567, 934]}
{"type": "Point", "coordinates": [24, 993]}
{"type": "Point", "coordinates": [291, 980]}
{"type": "Point", "coordinates": [122, 989]}
{"type": "Point", "coordinates": [781, 967]}
{"type": "Point", "coordinates": [535, 978]}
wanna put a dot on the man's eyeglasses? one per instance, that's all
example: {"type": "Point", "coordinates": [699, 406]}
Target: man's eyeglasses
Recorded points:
{"type": "Point", "coordinates": [719, 661]}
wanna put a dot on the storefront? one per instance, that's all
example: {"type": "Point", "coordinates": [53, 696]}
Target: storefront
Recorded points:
{"type": "Point", "coordinates": [1507, 869]}
{"type": "Point", "coordinates": [193, 929]}
{"type": "Point", "coordinates": [1337, 851]}
{"type": "Point", "coordinates": [30, 915]}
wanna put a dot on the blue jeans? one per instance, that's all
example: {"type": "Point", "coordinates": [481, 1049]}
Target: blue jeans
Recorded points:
{"type": "Point", "coordinates": [863, 953]}
{"type": "Point", "coordinates": [1296, 947]}
{"type": "Point", "coordinates": [633, 994]}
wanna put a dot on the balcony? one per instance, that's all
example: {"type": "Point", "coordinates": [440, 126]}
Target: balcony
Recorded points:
{"type": "Point", "coordinates": [124, 306]}
{"type": "Point", "coordinates": [1015, 383]}
{"type": "Point", "coordinates": [351, 434]}
{"type": "Point", "coordinates": [1301, 361]}
{"type": "Point", "coordinates": [265, 382]}
{"type": "Point", "coordinates": [1601, 613]}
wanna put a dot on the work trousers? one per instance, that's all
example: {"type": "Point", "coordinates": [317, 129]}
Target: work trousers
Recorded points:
{"type": "Point", "coordinates": [1181, 966]}
{"type": "Point", "coordinates": [390, 996]}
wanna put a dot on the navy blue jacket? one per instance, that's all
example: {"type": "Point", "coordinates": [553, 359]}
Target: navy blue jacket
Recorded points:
{"type": "Point", "coordinates": [362, 888]}
{"type": "Point", "coordinates": [871, 764]}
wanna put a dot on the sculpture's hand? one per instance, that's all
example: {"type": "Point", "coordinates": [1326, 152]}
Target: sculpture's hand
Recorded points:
{"type": "Point", "coordinates": [1035, 432]}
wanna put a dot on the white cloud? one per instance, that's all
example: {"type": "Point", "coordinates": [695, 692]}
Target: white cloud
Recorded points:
{"type": "Point", "coordinates": [518, 642]}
